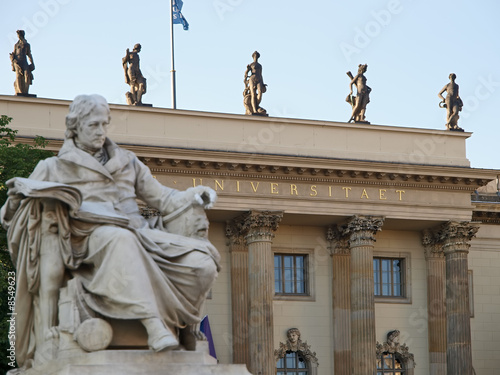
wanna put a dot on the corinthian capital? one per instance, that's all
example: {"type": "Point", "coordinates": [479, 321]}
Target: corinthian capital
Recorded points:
{"type": "Point", "coordinates": [362, 229]}
{"type": "Point", "coordinates": [433, 246]}
{"type": "Point", "coordinates": [259, 225]}
{"type": "Point", "coordinates": [456, 236]}
{"type": "Point", "coordinates": [338, 239]}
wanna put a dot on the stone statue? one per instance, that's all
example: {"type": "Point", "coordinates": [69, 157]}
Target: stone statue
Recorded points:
{"type": "Point", "coordinates": [452, 103]}
{"type": "Point", "coordinates": [295, 344]}
{"type": "Point", "coordinates": [293, 336]}
{"type": "Point", "coordinates": [254, 88]}
{"type": "Point", "coordinates": [84, 255]}
{"type": "Point", "coordinates": [133, 76]}
{"type": "Point", "coordinates": [24, 71]}
{"type": "Point", "coordinates": [362, 98]}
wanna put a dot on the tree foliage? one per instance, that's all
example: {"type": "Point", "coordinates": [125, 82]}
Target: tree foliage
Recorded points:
{"type": "Point", "coordinates": [16, 160]}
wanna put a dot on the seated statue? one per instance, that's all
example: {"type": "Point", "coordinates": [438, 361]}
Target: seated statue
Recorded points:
{"type": "Point", "coordinates": [75, 231]}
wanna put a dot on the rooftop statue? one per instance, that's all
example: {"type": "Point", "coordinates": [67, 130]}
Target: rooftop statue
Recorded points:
{"type": "Point", "coordinates": [84, 255]}
{"type": "Point", "coordinates": [24, 71]}
{"type": "Point", "coordinates": [133, 76]}
{"type": "Point", "coordinates": [254, 88]}
{"type": "Point", "coordinates": [452, 103]}
{"type": "Point", "coordinates": [362, 98]}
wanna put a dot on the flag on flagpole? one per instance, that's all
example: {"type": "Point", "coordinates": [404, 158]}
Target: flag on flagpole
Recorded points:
{"type": "Point", "coordinates": [205, 328]}
{"type": "Point", "coordinates": [177, 15]}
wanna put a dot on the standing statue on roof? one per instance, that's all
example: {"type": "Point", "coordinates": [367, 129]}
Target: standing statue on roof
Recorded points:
{"type": "Point", "coordinates": [19, 59]}
{"type": "Point", "coordinates": [133, 76]}
{"type": "Point", "coordinates": [254, 88]}
{"type": "Point", "coordinates": [452, 103]}
{"type": "Point", "coordinates": [362, 98]}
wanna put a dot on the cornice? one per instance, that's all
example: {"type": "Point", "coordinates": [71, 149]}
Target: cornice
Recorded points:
{"type": "Point", "coordinates": [195, 162]}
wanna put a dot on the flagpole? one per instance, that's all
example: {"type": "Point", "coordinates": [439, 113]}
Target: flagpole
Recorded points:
{"type": "Point", "coordinates": [174, 101]}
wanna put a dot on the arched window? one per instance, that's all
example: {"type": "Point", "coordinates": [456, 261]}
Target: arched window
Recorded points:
{"type": "Point", "coordinates": [295, 357]}
{"type": "Point", "coordinates": [293, 363]}
{"type": "Point", "coordinates": [390, 364]}
{"type": "Point", "coordinates": [394, 358]}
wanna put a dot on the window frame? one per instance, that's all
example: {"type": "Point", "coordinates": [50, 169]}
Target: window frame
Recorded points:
{"type": "Point", "coordinates": [406, 275]}
{"type": "Point", "coordinates": [293, 370]}
{"type": "Point", "coordinates": [309, 277]}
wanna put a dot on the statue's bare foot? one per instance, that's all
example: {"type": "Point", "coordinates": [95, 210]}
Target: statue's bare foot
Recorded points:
{"type": "Point", "coordinates": [159, 337]}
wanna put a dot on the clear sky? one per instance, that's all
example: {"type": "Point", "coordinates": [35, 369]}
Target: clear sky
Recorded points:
{"type": "Point", "coordinates": [306, 47]}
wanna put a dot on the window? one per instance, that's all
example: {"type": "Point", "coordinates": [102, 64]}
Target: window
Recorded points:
{"type": "Point", "coordinates": [292, 364]}
{"type": "Point", "coordinates": [291, 274]}
{"type": "Point", "coordinates": [388, 277]}
{"type": "Point", "coordinates": [390, 364]}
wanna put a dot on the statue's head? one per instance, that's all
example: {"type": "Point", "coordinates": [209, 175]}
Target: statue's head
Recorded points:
{"type": "Point", "coordinates": [137, 47]}
{"type": "Point", "coordinates": [81, 108]}
{"type": "Point", "coordinates": [453, 76]}
{"type": "Point", "coordinates": [293, 335]}
{"type": "Point", "coordinates": [393, 336]}
{"type": "Point", "coordinates": [255, 55]}
{"type": "Point", "coordinates": [362, 68]}
{"type": "Point", "coordinates": [20, 33]}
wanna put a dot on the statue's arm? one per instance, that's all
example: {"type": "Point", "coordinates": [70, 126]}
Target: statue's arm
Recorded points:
{"type": "Point", "coordinates": [29, 56]}
{"type": "Point", "coordinates": [440, 94]}
{"type": "Point", "coordinates": [167, 199]}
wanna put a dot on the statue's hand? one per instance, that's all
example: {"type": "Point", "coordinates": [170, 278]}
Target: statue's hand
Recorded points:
{"type": "Point", "coordinates": [202, 195]}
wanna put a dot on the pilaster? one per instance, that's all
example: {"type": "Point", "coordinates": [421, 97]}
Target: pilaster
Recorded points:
{"type": "Point", "coordinates": [341, 297]}
{"type": "Point", "coordinates": [436, 297]}
{"type": "Point", "coordinates": [239, 291]}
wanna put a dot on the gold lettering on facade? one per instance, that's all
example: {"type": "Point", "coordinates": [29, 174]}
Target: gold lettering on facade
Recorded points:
{"type": "Point", "coordinates": [329, 191]}
{"type": "Point", "coordinates": [364, 194]}
{"type": "Point", "coordinates": [346, 189]}
{"type": "Point", "coordinates": [293, 189]}
{"type": "Point", "coordinates": [313, 192]}
{"type": "Point", "coordinates": [382, 194]}
{"type": "Point", "coordinates": [219, 185]}
{"type": "Point", "coordinates": [194, 182]}
{"type": "Point", "coordinates": [400, 194]}
{"type": "Point", "coordinates": [274, 188]}
{"type": "Point", "coordinates": [237, 186]}
{"type": "Point", "coordinates": [254, 187]}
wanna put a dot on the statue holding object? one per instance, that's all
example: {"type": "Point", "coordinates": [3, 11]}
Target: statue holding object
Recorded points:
{"type": "Point", "coordinates": [452, 103]}
{"type": "Point", "coordinates": [254, 88]}
{"type": "Point", "coordinates": [24, 70]}
{"type": "Point", "coordinates": [133, 76]}
{"type": "Point", "coordinates": [362, 98]}
{"type": "Point", "coordinates": [86, 259]}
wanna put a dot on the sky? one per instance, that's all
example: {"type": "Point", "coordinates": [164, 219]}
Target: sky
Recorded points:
{"type": "Point", "coordinates": [306, 48]}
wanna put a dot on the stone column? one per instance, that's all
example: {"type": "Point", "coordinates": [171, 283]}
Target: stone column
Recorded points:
{"type": "Point", "coordinates": [239, 292]}
{"type": "Point", "coordinates": [455, 238]}
{"type": "Point", "coordinates": [361, 231]}
{"type": "Point", "coordinates": [341, 296]}
{"type": "Point", "coordinates": [436, 307]}
{"type": "Point", "coordinates": [258, 228]}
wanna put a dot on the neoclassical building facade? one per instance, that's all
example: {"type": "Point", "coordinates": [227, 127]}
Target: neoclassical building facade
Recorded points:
{"type": "Point", "coordinates": [379, 244]}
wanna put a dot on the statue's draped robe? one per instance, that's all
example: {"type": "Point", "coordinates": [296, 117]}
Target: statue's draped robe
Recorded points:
{"type": "Point", "coordinates": [128, 272]}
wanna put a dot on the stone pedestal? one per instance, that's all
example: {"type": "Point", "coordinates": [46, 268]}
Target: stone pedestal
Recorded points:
{"type": "Point", "coordinates": [138, 362]}
{"type": "Point", "coordinates": [361, 231]}
{"type": "Point", "coordinates": [258, 227]}
{"type": "Point", "coordinates": [341, 295]}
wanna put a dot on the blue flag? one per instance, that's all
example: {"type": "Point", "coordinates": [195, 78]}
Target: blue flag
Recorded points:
{"type": "Point", "coordinates": [177, 15]}
{"type": "Point", "coordinates": [205, 328]}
